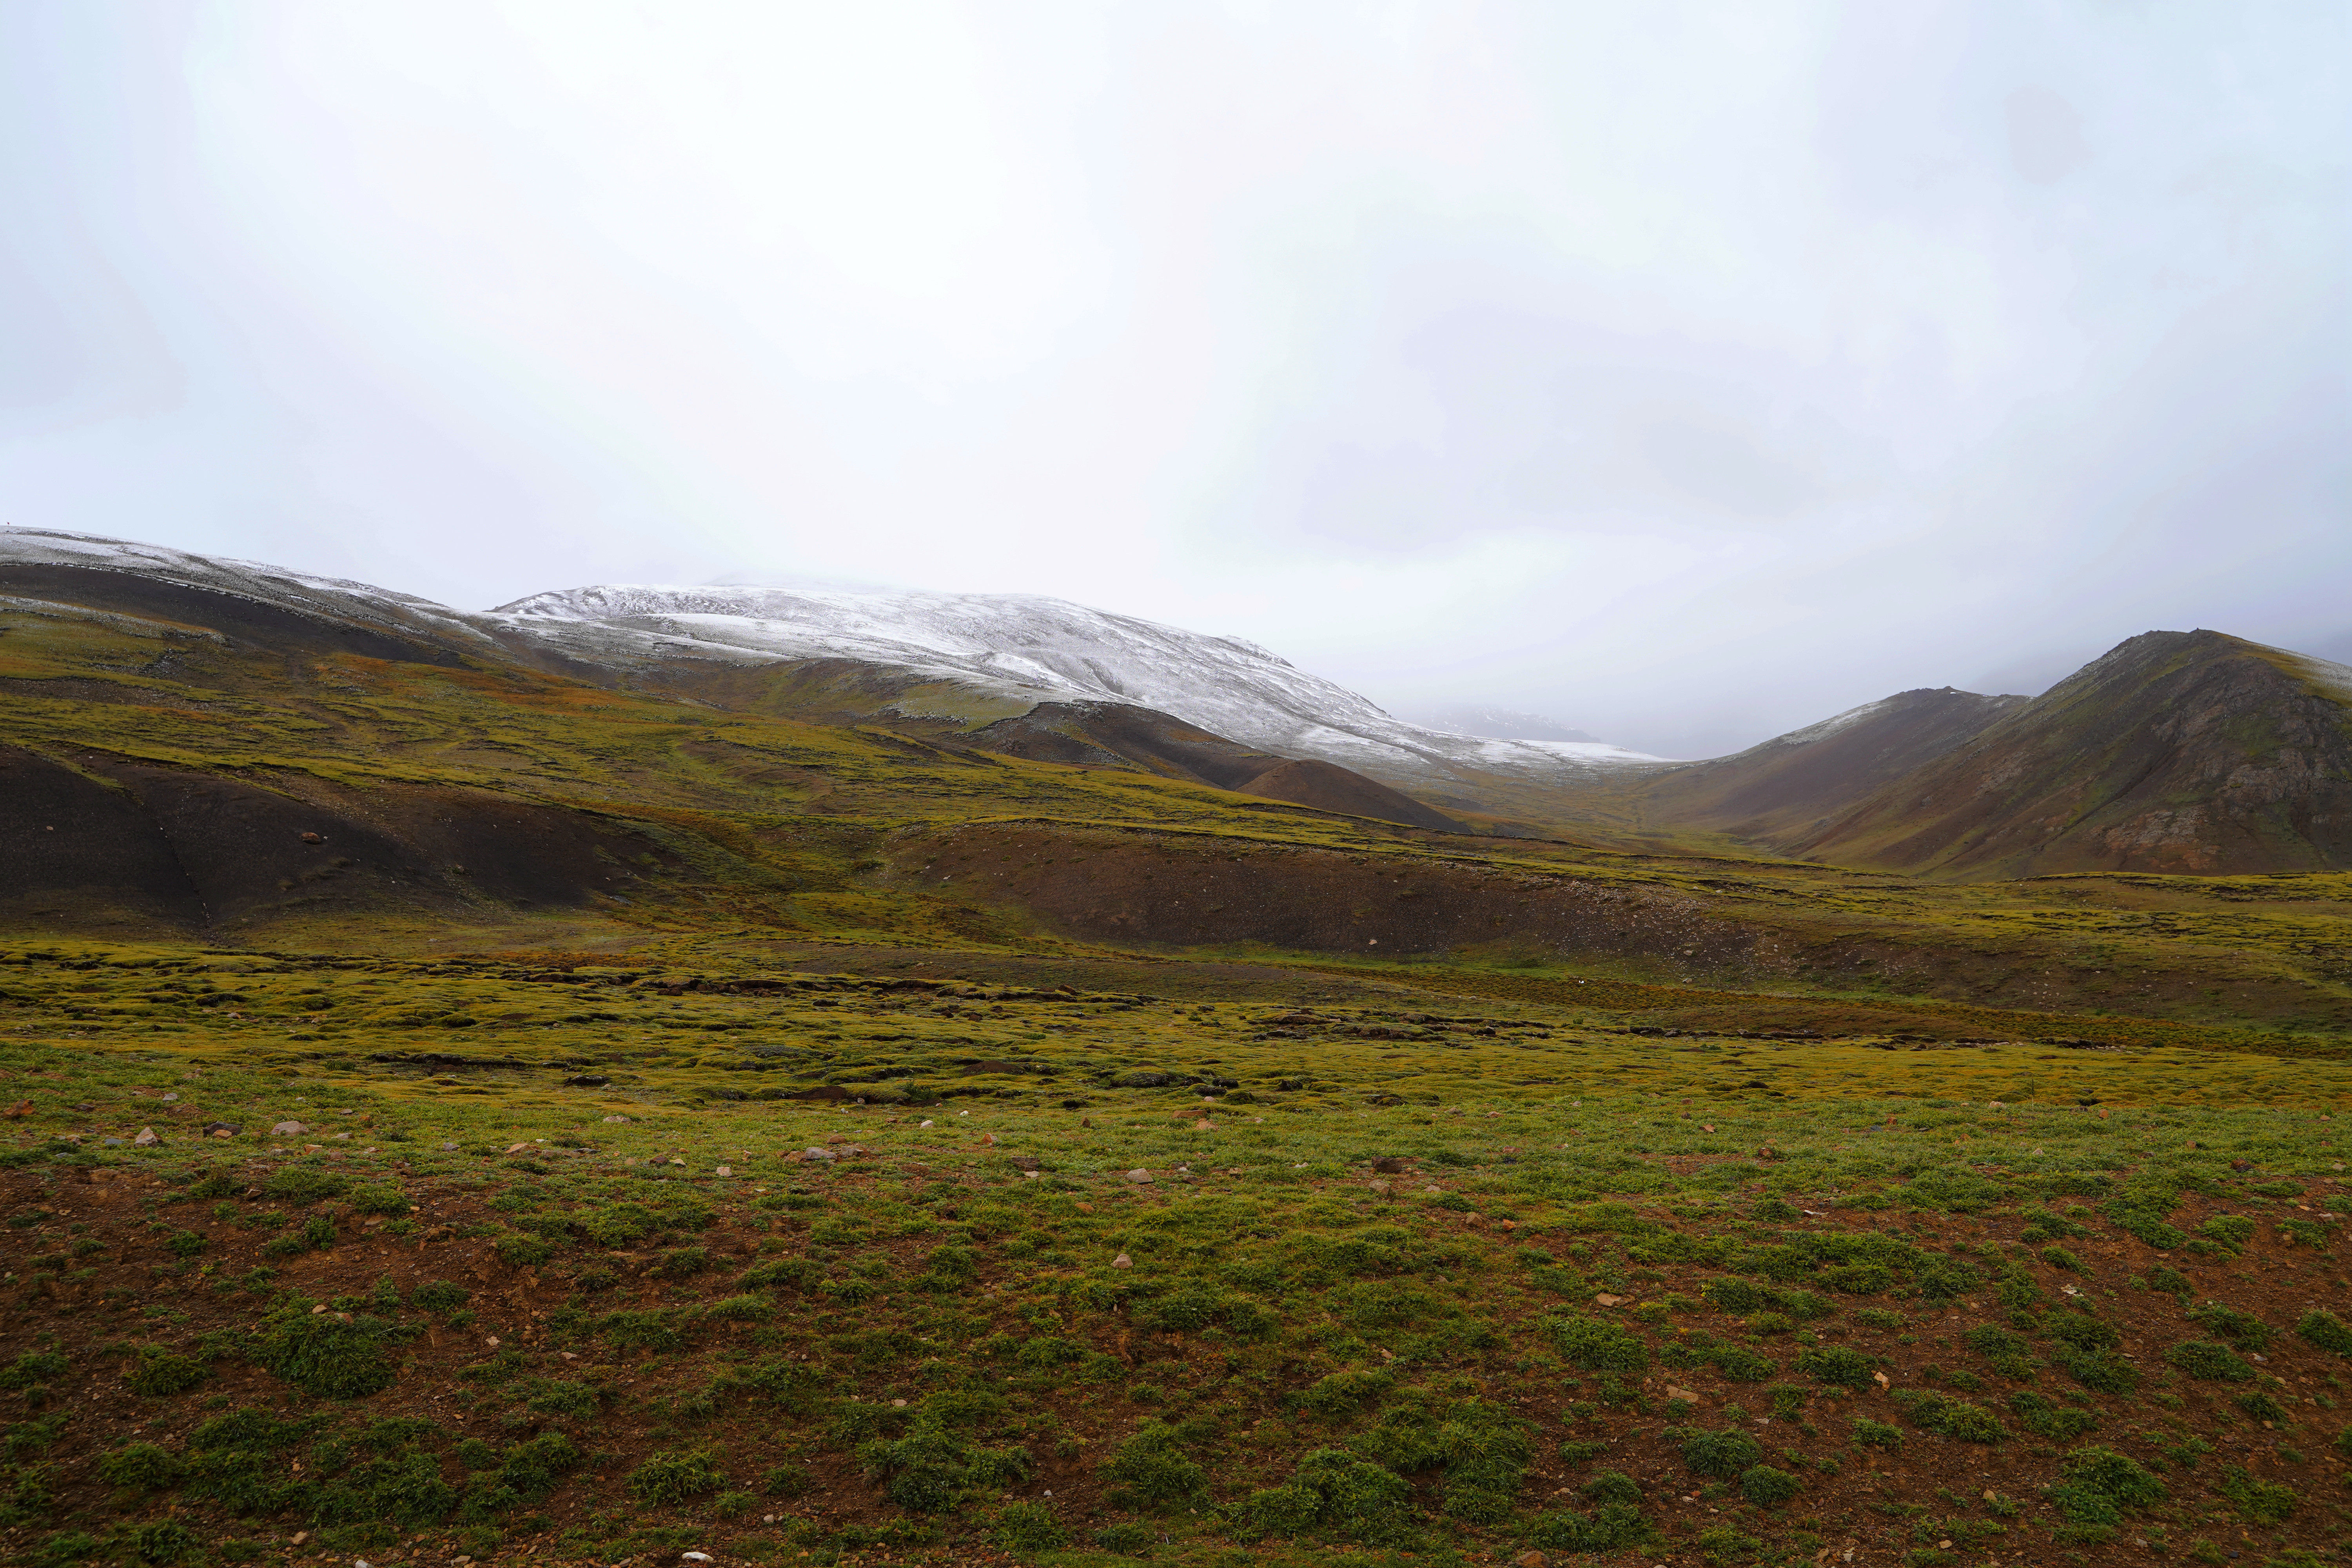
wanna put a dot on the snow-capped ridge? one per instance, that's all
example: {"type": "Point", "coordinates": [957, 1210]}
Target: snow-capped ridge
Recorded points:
{"type": "Point", "coordinates": [1038, 647]}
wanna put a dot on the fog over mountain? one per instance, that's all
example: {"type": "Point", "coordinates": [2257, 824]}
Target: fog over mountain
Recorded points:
{"type": "Point", "coordinates": [1688, 372]}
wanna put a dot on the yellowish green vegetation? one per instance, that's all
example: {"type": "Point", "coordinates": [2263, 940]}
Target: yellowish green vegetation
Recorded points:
{"type": "Point", "coordinates": [856, 1151]}
{"type": "Point", "coordinates": [687, 1249]}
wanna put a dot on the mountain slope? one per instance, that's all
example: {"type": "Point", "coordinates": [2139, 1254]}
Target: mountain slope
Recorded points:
{"type": "Point", "coordinates": [2186, 752]}
{"type": "Point", "coordinates": [727, 660]}
{"type": "Point", "coordinates": [1792, 784]}
{"type": "Point", "coordinates": [960, 652]}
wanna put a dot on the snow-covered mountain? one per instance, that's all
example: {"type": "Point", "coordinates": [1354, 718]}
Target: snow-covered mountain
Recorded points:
{"type": "Point", "coordinates": [971, 658]}
{"type": "Point", "coordinates": [1030, 648]}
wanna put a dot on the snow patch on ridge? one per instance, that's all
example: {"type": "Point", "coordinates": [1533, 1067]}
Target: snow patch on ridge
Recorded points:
{"type": "Point", "coordinates": [1045, 649]}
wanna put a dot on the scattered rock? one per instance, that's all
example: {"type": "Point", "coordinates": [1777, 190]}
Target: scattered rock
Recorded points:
{"type": "Point", "coordinates": [511, 1148]}
{"type": "Point", "coordinates": [146, 1136]}
{"type": "Point", "coordinates": [1122, 1261]}
{"type": "Point", "coordinates": [1140, 1177]}
{"type": "Point", "coordinates": [1388, 1164]}
{"type": "Point", "coordinates": [1689, 1393]}
{"type": "Point", "coordinates": [223, 1129]}
{"type": "Point", "coordinates": [814, 1152]}
{"type": "Point", "coordinates": [705, 1556]}
{"type": "Point", "coordinates": [1531, 1560]}
{"type": "Point", "coordinates": [723, 1170]}
{"type": "Point", "coordinates": [1379, 1187]}
{"type": "Point", "coordinates": [311, 838]}
{"type": "Point", "coordinates": [1606, 1299]}
{"type": "Point", "coordinates": [446, 1146]}
{"type": "Point", "coordinates": [1205, 1125]}
{"type": "Point", "coordinates": [288, 1129]}
{"type": "Point", "coordinates": [616, 1119]}
{"type": "Point", "coordinates": [587, 1081]}
{"type": "Point", "coordinates": [1024, 1161]}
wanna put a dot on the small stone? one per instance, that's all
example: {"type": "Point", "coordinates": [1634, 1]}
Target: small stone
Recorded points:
{"type": "Point", "coordinates": [223, 1129]}
{"type": "Point", "coordinates": [1388, 1164]}
{"type": "Point", "coordinates": [898, 1405]}
{"type": "Point", "coordinates": [813, 1152]}
{"type": "Point", "coordinates": [146, 1136]}
{"type": "Point", "coordinates": [1606, 1299]}
{"type": "Point", "coordinates": [616, 1120]}
{"type": "Point", "coordinates": [288, 1129]}
{"type": "Point", "coordinates": [492, 1342]}
{"type": "Point", "coordinates": [1140, 1177]}
{"type": "Point", "coordinates": [1379, 1187]}
{"type": "Point", "coordinates": [926, 1123]}
{"type": "Point", "coordinates": [511, 1148]}
{"type": "Point", "coordinates": [1122, 1261]}
{"type": "Point", "coordinates": [447, 1145]}
{"type": "Point", "coordinates": [1531, 1560]}
{"type": "Point", "coordinates": [723, 1170]}
{"type": "Point", "coordinates": [705, 1556]}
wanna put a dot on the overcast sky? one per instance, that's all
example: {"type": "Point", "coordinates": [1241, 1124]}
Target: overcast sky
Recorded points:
{"type": "Point", "coordinates": [1685, 372]}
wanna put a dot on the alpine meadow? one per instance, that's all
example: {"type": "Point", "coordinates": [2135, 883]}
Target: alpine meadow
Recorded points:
{"type": "Point", "coordinates": [585, 1088]}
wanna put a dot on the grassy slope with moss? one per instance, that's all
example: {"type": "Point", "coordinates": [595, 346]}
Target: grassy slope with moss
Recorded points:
{"type": "Point", "coordinates": [2062, 1260]}
{"type": "Point", "coordinates": [769, 823]}
{"type": "Point", "coordinates": [1685, 1263]}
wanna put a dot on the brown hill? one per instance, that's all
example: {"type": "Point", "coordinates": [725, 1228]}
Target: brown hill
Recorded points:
{"type": "Point", "coordinates": [1794, 784]}
{"type": "Point", "coordinates": [2183, 752]}
{"type": "Point", "coordinates": [1327, 786]}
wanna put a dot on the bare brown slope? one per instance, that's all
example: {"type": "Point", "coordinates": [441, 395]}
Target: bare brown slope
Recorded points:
{"type": "Point", "coordinates": [1118, 734]}
{"type": "Point", "coordinates": [1794, 784]}
{"type": "Point", "coordinates": [2182, 752]}
{"type": "Point", "coordinates": [1327, 786]}
{"type": "Point", "coordinates": [196, 850]}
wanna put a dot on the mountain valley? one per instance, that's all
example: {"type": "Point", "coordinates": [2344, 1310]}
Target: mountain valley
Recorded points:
{"type": "Point", "coordinates": [858, 1078]}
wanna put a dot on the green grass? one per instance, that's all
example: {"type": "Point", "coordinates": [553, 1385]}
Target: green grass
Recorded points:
{"type": "Point", "coordinates": [1721, 1250]}
{"type": "Point", "coordinates": [1296, 1350]}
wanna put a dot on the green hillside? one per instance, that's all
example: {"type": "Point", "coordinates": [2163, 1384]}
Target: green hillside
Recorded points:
{"type": "Point", "coordinates": [459, 1110]}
